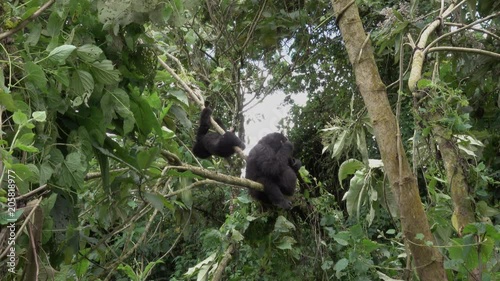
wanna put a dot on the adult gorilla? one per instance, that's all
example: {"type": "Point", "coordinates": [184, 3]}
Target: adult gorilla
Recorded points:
{"type": "Point", "coordinates": [271, 163]}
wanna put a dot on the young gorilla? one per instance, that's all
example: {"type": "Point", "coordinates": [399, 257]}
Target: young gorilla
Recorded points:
{"type": "Point", "coordinates": [271, 163]}
{"type": "Point", "coordinates": [208, 143]}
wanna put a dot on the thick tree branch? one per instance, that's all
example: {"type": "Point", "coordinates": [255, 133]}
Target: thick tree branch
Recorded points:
{"type": "Point", "coordinates": [419, 55]}
{"type": "Point", "coordinates": [216, 176]}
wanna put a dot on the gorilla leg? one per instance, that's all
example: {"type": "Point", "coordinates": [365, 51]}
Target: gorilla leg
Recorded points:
{"type": "Point", "coordinates": [272, 193]}
{"type": "Point", "coordinates": [288, 181]}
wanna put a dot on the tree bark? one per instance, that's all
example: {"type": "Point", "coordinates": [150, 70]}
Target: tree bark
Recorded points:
{"type": "Point", "coordinates": [463, 211]}
{"type": "Point", "coordinates": [427, 259]}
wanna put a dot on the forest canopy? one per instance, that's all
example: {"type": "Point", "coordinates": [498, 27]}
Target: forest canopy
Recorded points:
{"type": "Point", "coordinates": [399, 140]}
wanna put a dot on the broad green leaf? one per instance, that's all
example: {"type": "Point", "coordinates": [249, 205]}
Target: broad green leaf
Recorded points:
{"type": "Point", "coordinates": [89, 52]}
{"type": "Point", "coordinates": [129, 271]}
{"type": "Point", "coordinates": [286, 243]}
{"type": "Point", "coordinates": [146, 157]}
{"type": "Point", "coordinates": [116, 103]}
{"type": "Point", "coordinates": [354, 196]}
{"type": "Point", "coordinates": [486, 211]}
{"type": "Point", "coordinates": [342, 238]}
{"type": "Point", "coordinates": [158, 201]}
{"type": "Point", "coordinates": [61, 53]}
{"type": "Point", "coordinates": [181, 96]}
{"type": "Point", "coordinates": [25, 143]}
{"type": "Point", "coordinates": [206, 261]}
{"type": "Point", "coordinates": [151, 265]}
{"type": "Point", "coordinates": [46, 172]}
{"type": "Point", "coordinates": [82, 85]}
{"type": "Point", "coordinates": [236, 235]}
{"type": "Point", "coordinates": [62, 76]}
{"type": "Point", "coordinates": [7, 101]}
{"type": "Point", "coordinates": [54, 24]}
{"type": "Point", "coordinates": [144, 116]}
{"type": "Point", "coordinates": [361, 143]}
{"type": "Point", "coordinates": [384, 277]}
{"type": "Point", "coordinates": [348, 168]}
{"type": "Point", "coordinates": [104, 72]}
{"type": "Point", "coordinates": [283, 225]}
{"type": "Point", "coordinates": [338, 146]}
{"type": "Point", "coordinates": [23, 172]}
{"type": "Point", "coordinates": [35, 75]}
{"type": "Point", "coordinates": [423, 83]}
{"type": "Point", "coordinates": [20, 118]}
{"type": "Point", "coordinates": [39, 116]}
{"type": "Point", "coordinates": [341, 264]}
{"type": "Point", "coordinates": [34, 35]}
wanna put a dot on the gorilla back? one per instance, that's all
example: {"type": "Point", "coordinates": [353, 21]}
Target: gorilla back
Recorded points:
{"type": "Point", "coordinates": [271, 163]}
{"type": "Point", "coordinates": [208, 143]}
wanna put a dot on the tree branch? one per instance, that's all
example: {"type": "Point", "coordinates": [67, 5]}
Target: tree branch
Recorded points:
{"type": "Point", "coordinates": [220, 177]}
{"type": "Point", "coordinates": [197, 97]}
{"type": "Point", "coordinates": [418, 56]}
{"type": "Point", "coordinates": [26, 21]}
{"type": "Point", "coordinates": [465, 50]}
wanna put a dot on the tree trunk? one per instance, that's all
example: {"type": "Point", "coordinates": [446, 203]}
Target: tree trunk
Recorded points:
{"type": "Point", "coordinates": [428, 260]}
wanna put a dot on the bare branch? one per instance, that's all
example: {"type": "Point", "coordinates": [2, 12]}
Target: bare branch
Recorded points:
{"type": "Point", "coordinates": [465, 50]}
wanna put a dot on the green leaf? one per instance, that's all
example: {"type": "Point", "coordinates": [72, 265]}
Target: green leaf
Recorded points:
{"type": "Point", "coordinates": [34, 35]}
{"type": "Point", "coordinates": [35, 75]}
{"type": "Point", "coordinates": [338, 146]}
{"type": "Point", "coordinates": [25, 143]}
{"type": "Point", "coordinates": [339, 266]}
{"type": "Point", "coordinates": [46, 172]}
{"type": "Point", "coordinates": [283, 225]}
{"type": "Point", "coordinates": [54, 24]}
{"type": "Point", "coordinates": [117, 101]}
{"type": "Point", "coordinates": [61, 53]}
{"type": "Point", "coordinates": [354, 196]}
{"type": "Point", "coordinates": [104, 72]}
{"type": "Point", "coordinates": [144, 115]}
{"type": "Point", "coordinates": [158, 201]}
{"type": "Point", "coordinates": [342, 238]}
{"type": "Point", "coordinates": [20, 118]}
{"type": "Point", "coordinates": [180, 96]}
{"type": "Point", "coordinates": [486, 211]}
{"type": "Point", "coordinates": [22, 171]}
{"type": "Point", "coordinates": [82, 86]}
{"type": "Point", "coordinates": [348, 168]}
{"type": "Point", "coordinates": [286, 243]}
{"type": "Point", "coordinates": [423, 83]}
{"type": "Point", "coordinates": [127, 269]}
{"type": "Point", "coordinates": [419, 236]}
{"type": "Point", "coordinates": [89, 52]}
{"type": "Point", "coordinates": [146, 157]}
{"type": "Point", "coordinates": [62, 76]}
{"type": "Point", "coordinates": [236, 235]}
{"type": "Point", "coordinates": [39, 116]}
{"type": "Point", "coordinates": [7, 101]}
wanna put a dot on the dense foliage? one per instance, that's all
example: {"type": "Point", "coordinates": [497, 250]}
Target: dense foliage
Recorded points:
{"type": "Point", "coordinates": [99, 102]}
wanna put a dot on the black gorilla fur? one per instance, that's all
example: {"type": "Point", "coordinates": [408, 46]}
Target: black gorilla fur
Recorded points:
{"type": "Point", "coordinates": [208, 143]}
{"type": "Point", "coordinates": [271, 163]}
